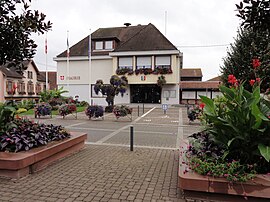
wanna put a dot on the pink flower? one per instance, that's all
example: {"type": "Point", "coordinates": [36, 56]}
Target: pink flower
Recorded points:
{"type": "Point", "coordinates": [258, 80]}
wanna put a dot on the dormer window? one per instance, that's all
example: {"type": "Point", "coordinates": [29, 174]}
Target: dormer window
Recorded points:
{"type": "Point", "coordinates": [103, 45]}
{"type": "Point", "coordinates": [108, 45]}
{"type": "Point", "coordinates": [99, 45]}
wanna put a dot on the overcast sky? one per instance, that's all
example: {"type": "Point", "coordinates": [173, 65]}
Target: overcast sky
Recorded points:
{"type": "Point", "coordinates": [192, 26]}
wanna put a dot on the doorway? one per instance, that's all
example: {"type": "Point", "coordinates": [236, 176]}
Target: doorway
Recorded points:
{"type": "Point", "coordinates": [145, 93]}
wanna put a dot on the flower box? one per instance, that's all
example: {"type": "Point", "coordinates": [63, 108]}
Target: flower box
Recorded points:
{"type": "Point", "coordinates": [192, 182]}
{"type": "Point", "coordinates": [16, 165]}
{"type": "Point", "coordinates": [94, 111]}
{"type": "Point", "coordinates": [122, 111]}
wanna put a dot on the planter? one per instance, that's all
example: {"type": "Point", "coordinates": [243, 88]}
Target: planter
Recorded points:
{"type": "Point", "coordinates": [43, 110]}
{"type": "Point", "coordinates": [67, 109]}
{"type": "Point", "coordinates": [122, 111]}
{"type": "Point", "coordinates": [190, 181]}
{"type": "Point", "coordinates": [16, 165]}
{"type": "Point", "coordinates": [95, 112]}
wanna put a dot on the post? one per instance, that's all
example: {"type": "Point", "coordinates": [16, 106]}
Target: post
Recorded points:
{"type": "Point", "coordinates": [138, 110]}
{"type": "Point", "coordinates": [131, 138]}
{"type": "Point", "coordinates": [143, 108]}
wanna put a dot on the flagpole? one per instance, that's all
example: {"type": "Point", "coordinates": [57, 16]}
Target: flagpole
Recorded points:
{"type": "Point", "coordinates": [89, 67]}
{"type": "Point", "coordinates": [46, 53]}
{"type": "Point", "coordinates": [67, 63]}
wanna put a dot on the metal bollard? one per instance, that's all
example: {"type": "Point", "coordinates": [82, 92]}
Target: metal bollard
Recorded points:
{"type": "Point", "coordinates": [138, 110]}
{"type": "Point", "coordinates": [131, 138]}
{"type": "Point", "coordinates": [143, 108]}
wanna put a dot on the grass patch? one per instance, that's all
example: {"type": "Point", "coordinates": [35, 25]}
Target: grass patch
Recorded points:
{"type": "Point", "coordinates": [55, 112]}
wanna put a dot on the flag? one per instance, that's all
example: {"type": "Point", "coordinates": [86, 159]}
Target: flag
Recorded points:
{"type": "Point", "coordinates": [46, 46]}
{"type": "Point", "coordinates": [67, 48]}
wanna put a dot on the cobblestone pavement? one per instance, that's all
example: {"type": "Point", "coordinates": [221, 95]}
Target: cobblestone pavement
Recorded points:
{"type": "Point", "coordinates": [101, 173]}
{"type": "Point", "coordinates": [105, 170]}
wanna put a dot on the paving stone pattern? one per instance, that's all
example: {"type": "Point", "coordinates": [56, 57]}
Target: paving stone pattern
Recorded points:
{"type": "Point", "coordinates": [101, 173]}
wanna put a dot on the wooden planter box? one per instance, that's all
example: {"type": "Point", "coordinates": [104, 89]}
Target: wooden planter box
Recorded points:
{"type": "Point", "coordinates": [16, 165]}
{"type": "Point", "coordinates": [191, 181]}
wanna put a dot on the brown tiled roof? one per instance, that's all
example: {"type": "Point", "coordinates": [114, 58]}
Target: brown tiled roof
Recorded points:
{"type": "Point", "coordinates": [217, 78]}
{"type": "Point", "coordinates": [191, 72]}
{"type": "Point", "coordinates": [147, 39]}
{"type": "Point", "coordinates": [132, 38]}
{"type": "Point", "coordinates": [10, 72]}
{"type": "Point", "coordinates": [199, 84]}
{"type": "Point", "coordinates": [41, 77]}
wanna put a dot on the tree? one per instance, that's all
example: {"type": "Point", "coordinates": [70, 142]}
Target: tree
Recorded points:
{"type": "Point", "coordinates": [251, 44]}
{"type": "Point", "coordinates": [248, 46]}
{"type": "Point", "coordinates": [17, 23]}
{"type": "Point", "coordinates": [117, 85]}
{"type": "Point", "coordinates": [255, 14]}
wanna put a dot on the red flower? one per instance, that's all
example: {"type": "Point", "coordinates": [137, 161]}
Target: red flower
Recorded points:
{"type": "Point", "coordinates": [202, 105]}
{"type": "Point", "coordinates": [258, 80]}
{"type": "Point", "coordinates": [251, 82]}
{"type": "Point", "coordinates": [232, 79]}
{"type": "Point", "coordinates": [256, 63]}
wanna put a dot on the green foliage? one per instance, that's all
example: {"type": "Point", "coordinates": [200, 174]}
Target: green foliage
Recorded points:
{"type": "Point", "coordinates": [255, 14]}
{"type": "Point", "coordinates": [239, 123]}
{"type": "Point", "coordinates": [48, 95]}
{"type": "Point", "coordinates": [161, 81]}
{"type": "Point", "coordinates": [17, 24]}
{"type": "Point", "coordinates": [26, 104]}
{"type": "Point", "coordinates": [233, 171]}
{"type": "Point", "coordinates": [21, 110]}
{"type": "Point", "coordinates": [6, 117]}
{"type": "Point", "coordinates": [238, 62]}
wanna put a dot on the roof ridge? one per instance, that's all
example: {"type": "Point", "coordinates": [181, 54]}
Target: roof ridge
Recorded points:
{"type": "Point", "coordinates": [163, 35]}
{"type": "Point", "coordinates": [144, 26]}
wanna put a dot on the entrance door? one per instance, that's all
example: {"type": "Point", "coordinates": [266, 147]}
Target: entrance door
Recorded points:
{"type": "Point", "coordinates": [145, 93]}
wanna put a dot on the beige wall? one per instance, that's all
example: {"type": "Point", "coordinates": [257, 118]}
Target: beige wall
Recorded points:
{"type": "Point", "coordinates": [2, 87]}
{"type": "Point", "coordinates": [152, 78]}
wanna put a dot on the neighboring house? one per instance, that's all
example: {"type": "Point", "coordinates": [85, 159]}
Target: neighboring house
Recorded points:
{"type": "Point", "coordinates": [192, 86]}
{"type": "Point", "coordinates": [51, 79]}
{"type": "Point", "coordinates": [15, 86]}
{"type": "Point", "coordinates": [139, 52]}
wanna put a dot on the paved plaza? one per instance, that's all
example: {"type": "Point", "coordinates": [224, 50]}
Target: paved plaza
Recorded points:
{"type": "Point", "coordinates": [106, 170]}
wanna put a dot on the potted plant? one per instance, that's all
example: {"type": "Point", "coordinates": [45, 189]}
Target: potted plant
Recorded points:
{"type": "Point", "coordinates": [66, 109]}
{"type": "Point", "coordinates": [235, 144]}
{"type": "Point", "coordinates": [43, 109]}
{"type": "Point", "coordinates": [122, 111]}
{"type": "Point", "coordinates": [94, 111]}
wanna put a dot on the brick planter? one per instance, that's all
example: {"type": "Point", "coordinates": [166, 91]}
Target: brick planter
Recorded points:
{"type": "Point", "coordinates": [16, 165]}
{"type": "Point", "coordinates": [190, 181]}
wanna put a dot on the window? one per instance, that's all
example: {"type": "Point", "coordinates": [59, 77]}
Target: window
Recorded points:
{"type": "Point", "coordinates": [108, 45]}
{"type": "Point", "coordinates": [125, 63]}
{"type": "Point", "coordinates": [21, 87]}
{"type": "Point", "coordinates": [99, 45]}
{"type": "Point", "coordinates": [30, 88]}
{"type": "Point", "coordinates": [163, 62]}
{"type": "Point", "coordinates": [9, 87]}
{"type": "Point", "coordinates": [143, 62]}
{"type": "Point", "coordinates": [29, 75]}
{"type": "Point", "coordinates": [38, 88]}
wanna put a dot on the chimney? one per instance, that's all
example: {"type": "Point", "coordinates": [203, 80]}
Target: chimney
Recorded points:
{"type": "Point", "coordinates": [127, 24]}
